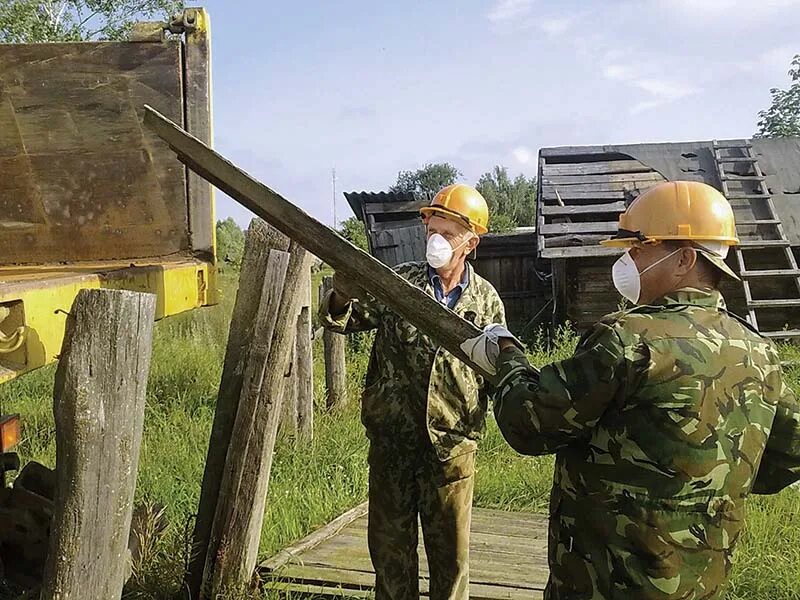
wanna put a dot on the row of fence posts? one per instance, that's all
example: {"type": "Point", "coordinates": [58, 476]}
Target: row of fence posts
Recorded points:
{"type": "Point", "coordinates": [99, 401]}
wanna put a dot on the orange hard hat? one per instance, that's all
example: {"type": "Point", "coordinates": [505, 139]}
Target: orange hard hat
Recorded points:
{"type": "Point", "coordinates": [677, 210]}
{"type": "Point", "coordinates": [461, 203]}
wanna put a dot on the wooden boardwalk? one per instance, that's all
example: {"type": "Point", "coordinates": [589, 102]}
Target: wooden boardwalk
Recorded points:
{"type": "Point", "coordinates": [508, 558]}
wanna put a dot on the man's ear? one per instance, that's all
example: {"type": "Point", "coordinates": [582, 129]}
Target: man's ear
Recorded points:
{"type": "Point", "coordinates": [472, 244]}
{"type": "Point", "coordinates": [688, 259]}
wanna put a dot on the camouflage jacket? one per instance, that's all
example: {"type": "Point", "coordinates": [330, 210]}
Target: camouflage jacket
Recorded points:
{"type": "Point", "coordinates": [662, 422]}
{"type": "Point", "coordinates": [415, 390]}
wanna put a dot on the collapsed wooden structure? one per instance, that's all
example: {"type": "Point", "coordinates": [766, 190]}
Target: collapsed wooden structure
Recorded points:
{"type": "Point", "coordinates": [582, 190]}
{"type": "Point", "coordinates": [556, 269]}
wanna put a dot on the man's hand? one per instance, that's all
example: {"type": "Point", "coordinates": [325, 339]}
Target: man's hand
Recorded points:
{"type": "Point", "coordinates": [485, 349]}
{"type": "Point", "coordinates": [344, 290]}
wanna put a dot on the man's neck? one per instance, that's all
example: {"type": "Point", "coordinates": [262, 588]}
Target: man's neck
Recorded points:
{"type": "Point", "coordinates": [451, 276]}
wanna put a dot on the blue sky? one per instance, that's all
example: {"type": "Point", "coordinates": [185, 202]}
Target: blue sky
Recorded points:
{"type": "Point", "coordinates": [372, 88]}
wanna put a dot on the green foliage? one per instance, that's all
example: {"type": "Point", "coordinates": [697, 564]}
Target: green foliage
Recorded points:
{"type": "Point", "coordinates": [230, 243]}
{"type": "Point", "coordinates": [782, 118]}
{"type": "Point", "coordinates": [27, 21]}
{"type": "Point", "coordinates": [428, 180]}
{"type": "Point", "coordinates": [354, 232]}
{"type": "Point", "coordinates": [512, 203]}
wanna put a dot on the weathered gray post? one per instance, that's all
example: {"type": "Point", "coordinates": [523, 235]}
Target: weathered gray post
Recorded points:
{"type": "Point", "coordinates": [304, 363]}
{"type": "Point", "coordinates": [99, 402]}
{"type": "Point", "coordinates": [335, 369]}
{"type": "Point", "coordinates": [236, 531]}
{"type": "Point", "coordinates": [261, 239]}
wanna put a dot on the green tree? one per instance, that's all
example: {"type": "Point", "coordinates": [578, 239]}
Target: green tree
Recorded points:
{"type": "Point", "coordinates": [512, 203]}
{"type": "Point", "coordinates": [26, 21]}
{"type": "Point", "coordinates": [354, 232]}
{"type": "Point", "coordinates": [230, 243]}
{"type": "Point", "coordinates": [428, 180]}
{"type": "Point", "coordinates": [782, 118]}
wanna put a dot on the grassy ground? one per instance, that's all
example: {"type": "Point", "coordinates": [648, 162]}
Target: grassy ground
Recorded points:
{"type": "Point", "coordinates": [327, 477]}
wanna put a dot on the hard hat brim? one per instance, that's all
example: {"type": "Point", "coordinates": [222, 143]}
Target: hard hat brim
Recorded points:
{"type": "Point", "coordinates": [439, 211]}
{"type": "Point", "coordinates": [718, 262]}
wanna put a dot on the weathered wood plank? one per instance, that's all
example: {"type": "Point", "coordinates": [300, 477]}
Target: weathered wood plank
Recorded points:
{"type": "Point", "coordinates": [612, 207]}
{"type": "Point", "coordinates": [633, 179]}
{"type": "Point", "coordinates": [99, 403]}
{"type": "Point", "coordinates": [236, 531]}
{"type": "Point", "coordinates": [69, 116]}
{"type": "Point", "coordinates": [597, 227]}
{"type": "Point", "coordinates": [334, 357]}
{"type": "Point", "coordinates": [260, 240]}
{"type": "Point", "coordinates": [362, 579]}
{"type": "Point", "coordinates": [595, 168]}
{"type": "Point", "coordinates": [611, 186]}
{"type": "Point", "coordinates": [315, 538]}
{"type": "Point", "coordinates": [413, 304]}
{"type": "Point", "coordinates": [197, 85]}
{"type": "Point", "coordinates": [567, 194]}
{"type": "Point", "coordinates": [305, 371]}
{"type": "Point", "coordinates": [580, 251]}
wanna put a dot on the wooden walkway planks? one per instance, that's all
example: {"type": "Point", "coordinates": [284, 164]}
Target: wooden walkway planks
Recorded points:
{"type": "Point", "coordinates": [508, 558]}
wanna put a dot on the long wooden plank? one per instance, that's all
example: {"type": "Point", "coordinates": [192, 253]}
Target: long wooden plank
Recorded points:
{"type": "Point", "coordinates": [601, 227]}
{"type": "Point", "coordinates": [612, 207]}
{"type": "Point", "coordinates": [413, 304]}
{"type": "Point", "coordinates": [595, 168]}
{"type": "Point", "coordinates": [579, 252]}
{"type": "Point", "coordinates": [631, 178]}
{"type": "Point", "coordinates": [567, 193]}
{"type": "Point", "coordinates": [315, 538]}
{"type": "Point", "coordinates": [365, 580]}
{"type": "Point", "coordinates": [609, 186]}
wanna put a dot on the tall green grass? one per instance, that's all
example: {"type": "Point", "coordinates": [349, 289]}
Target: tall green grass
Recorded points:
{"type": "Point", "coordinates": [313, 483]}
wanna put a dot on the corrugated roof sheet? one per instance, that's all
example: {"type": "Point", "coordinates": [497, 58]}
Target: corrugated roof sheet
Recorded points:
{"type": "Point", "coordinates": [356, 200]}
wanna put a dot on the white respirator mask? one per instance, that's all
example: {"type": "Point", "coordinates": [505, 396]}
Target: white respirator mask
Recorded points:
{"type": "Point", "coordinates": [439, 252]}
{"type": "Point", "coordinates": [627, 278]}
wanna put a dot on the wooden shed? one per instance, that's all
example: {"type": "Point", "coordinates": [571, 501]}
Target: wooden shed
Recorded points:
{"type": "Point", "coordinates": [582, 190]}
{"type": "Point", "coordinates": [395, 232]}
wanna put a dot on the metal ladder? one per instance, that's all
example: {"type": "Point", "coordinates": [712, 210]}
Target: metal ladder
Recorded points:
{"type": "Point", "coordinates": [765, 219]}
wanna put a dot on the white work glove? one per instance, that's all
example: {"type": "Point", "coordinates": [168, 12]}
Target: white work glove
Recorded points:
{"type": "Point", "coordinates": [484, 349]}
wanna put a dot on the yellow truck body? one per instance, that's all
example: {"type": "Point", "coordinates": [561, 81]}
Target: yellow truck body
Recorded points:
{"type": "Point", "coordinates": [88, 197]}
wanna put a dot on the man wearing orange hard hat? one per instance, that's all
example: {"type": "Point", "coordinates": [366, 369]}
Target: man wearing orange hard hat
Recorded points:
{"type": "Point", "coordinates": [423, 409]}
{"type": "Point", "coordinates": [666, 418]}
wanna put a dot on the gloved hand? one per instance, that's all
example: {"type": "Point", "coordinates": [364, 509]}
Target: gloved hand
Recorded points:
{"type": "Point", "coordinates": [346, 288]}
{"type": "Point", "coordinates": [484, 349]}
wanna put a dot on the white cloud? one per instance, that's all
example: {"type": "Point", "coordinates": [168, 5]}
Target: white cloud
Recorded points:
{"type": "Point", "coordinates": [505, 11]}
{"type": "Point", "coordinates": [772, 63]}
{"type": "Point", "coordinates": [554, 27]}
{"type": "Point", "coordinates": [522, 154]}
{"type": "Point", "coordinates": [618, 73]}
{"type": "Point", "coordinates": [665, 90]}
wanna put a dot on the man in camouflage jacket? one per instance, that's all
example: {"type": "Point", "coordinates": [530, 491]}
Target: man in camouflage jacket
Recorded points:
{"type": "Point", "coordinates": [424, 413]}
{"type": "Point", "coordinates": [667, 416]}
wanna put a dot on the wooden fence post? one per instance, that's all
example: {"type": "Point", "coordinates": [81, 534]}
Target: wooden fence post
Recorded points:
{"type": "Point", "coordinates": [236, 531]}
{"type": "Point", "coordinates": [304, 362]}
{"type": "Point", "coordinates": [261, 239]}
{"type": "Point", "coordinates": [335, 369]}
{"type": "Point", "coordinates": [99, 402]}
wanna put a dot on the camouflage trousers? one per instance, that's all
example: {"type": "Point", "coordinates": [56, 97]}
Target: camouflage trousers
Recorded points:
{"type": "Point", "coordinates": [405, 486]}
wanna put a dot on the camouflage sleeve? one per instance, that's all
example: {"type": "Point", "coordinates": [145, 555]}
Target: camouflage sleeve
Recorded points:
{"type": "Point", "coordinates": [780, 464]}
{"type": "Point", "coordinates": [498, 315]}
{"type": "Point", "coordinates": [540, 412]}
{"type": "Point", "coordinates": [358, 315]}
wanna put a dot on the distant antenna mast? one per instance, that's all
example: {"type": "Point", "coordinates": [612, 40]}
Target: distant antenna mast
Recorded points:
{"type": "Point", "coordinates": [335, 222]}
